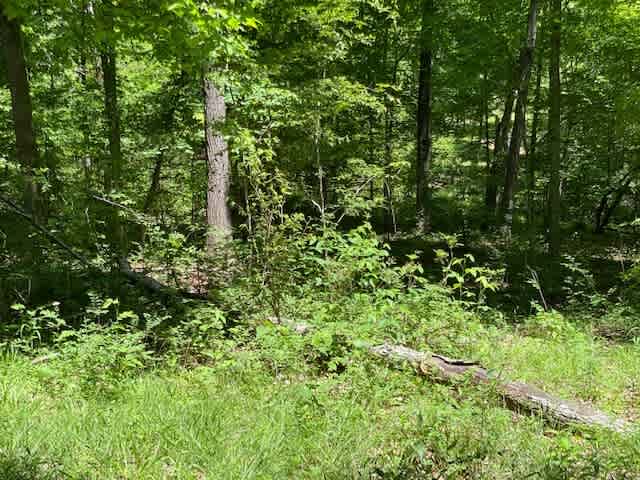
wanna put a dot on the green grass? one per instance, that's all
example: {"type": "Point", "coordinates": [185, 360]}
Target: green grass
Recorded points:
{"type": "Point", "coordinates": [273, 409]}
{"type": "Point", "coordinates": [240, 421]}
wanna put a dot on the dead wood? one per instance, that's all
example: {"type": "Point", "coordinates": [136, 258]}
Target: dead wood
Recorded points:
{"type": "Point", "coordinates": [518, 395]}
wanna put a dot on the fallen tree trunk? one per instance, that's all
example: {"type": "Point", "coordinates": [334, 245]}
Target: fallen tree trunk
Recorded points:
{"type": "Point", "coordinates": [154, 285]}
{"type": "Point", "coordinates": [124, 268]}
{"type": "Point", "coordinates": [517, 395]}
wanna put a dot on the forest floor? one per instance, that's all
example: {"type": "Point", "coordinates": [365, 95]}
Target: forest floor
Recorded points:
{"type": "Point", "coordinates": [241, 418]}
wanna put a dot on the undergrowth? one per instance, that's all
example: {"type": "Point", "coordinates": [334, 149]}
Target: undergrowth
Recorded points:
{"type": "Point", "coordinates": [231, 390]}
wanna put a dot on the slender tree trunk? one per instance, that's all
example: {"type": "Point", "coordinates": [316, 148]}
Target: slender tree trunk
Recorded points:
{"type": "Point", "coordinates": [390, 223]}
{"type": "Point", "coordinates": [533, 146]}
{"type": "Point", "coordinates": [425, 121]}
{"type": "Point", "coordinates": [154, 189]}
{"type": "Point", "coordinates": [554, 129]}
{"type": "Point", "coordinates": [499, 151]}
{"type": "Point", "coordinates": [113, 169]}
{"type": "Point", "coordinates": [22, 110]}
{"type": "Point", "coordinates": [487, 140]}
{"type": "Point", "coordinates": [519, 125]}
{"type": "Point", "coordinates": [113, 172]}
{"type": "Point", "coordinates": [87, 11]}
{"type": "Point", "coordinates": [218, 166]}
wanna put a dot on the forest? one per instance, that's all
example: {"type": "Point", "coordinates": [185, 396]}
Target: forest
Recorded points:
{"type": "Point", "coordinates": [319, 239]}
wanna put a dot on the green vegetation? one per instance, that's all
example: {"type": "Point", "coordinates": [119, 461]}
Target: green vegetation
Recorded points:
{"type": "Point", "coordinates": [214, 213]}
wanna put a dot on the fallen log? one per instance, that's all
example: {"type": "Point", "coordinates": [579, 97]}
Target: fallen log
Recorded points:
{"type": "Point", "coordinates": [124, 268]}
{"type": "Point", "coordinates": [154, 285]}
{"type": "Point", "coordinates": [517, 395]}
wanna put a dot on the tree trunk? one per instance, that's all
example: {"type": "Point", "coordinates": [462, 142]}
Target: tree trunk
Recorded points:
{"type": "Point", "coordinates": [517, 395]}
{"type": "Point", "coordinates": [390, 224]}
{"type": "Point", "coordinates": [533, 145]}
{"type": "Point", "coordinates": [425, 121]}
{"type": "Point", "coordinates": [554, 129]}
{"type": "Point", "coordinates": [218, 166]}
{"type": "Point", "coordinates": [519, 125]}
{"type": "Point", "coordinates": [154, 189]}
{"type": "Point", "coordinates": [22, 110]}
{"type": "Point", "coordinates": [493, 167]}
{"type": "Point", "coordinates": [113, 172]}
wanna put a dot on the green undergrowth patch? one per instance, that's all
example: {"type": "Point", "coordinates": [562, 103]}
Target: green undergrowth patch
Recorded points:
{"type": "Point", "coordinates": [241, 418]}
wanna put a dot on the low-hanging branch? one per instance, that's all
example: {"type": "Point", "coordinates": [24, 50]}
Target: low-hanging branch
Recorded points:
{"type": "Point", "coordinates": [124, 267]}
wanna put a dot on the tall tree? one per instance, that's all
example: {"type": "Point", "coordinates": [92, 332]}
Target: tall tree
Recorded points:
{"type": "Point", "coordinates": [218, 166]}
{"type": "Point", "coordinates": [108, 61]}
{"type": "Point", "coordinates": [519, 124]}
{"type": "Point", "coordinates": [425, 120]}
{"type": "Point", "coordinates": [555, 140]}
{"type": "Point", "coordinates": [22, 110]}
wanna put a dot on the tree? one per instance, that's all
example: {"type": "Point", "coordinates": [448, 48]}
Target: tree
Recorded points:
{"type": "Point", "coordinates": [519, 125]}
{"type": "Point", "coordinates": [555, 140]}
{"type": "Point", "coordinates": [218, 167]}
{"type": "Point", "coordinates": [22, 109]}
{"type": "Point", "coordinates": [425, 120]}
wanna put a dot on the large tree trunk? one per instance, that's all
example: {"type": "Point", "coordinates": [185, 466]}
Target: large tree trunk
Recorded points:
{"type": "Point", "coordinates": [425, 121]}
{"type": "Point", "coordinates": [519, 125]}
{"type": "Point", "coordinates": [218, 166]}
{"type": "Point", "coordinates": [22, 109]}
{"type": "Point", "coordinates": [554, 129]}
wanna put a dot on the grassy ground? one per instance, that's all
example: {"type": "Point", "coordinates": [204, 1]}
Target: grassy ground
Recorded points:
{"type": "Point", "coordinates": [241, 419]}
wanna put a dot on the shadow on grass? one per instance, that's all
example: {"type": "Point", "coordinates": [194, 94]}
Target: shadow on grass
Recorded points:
{"type": "Point", "coordinates": [24, 465]}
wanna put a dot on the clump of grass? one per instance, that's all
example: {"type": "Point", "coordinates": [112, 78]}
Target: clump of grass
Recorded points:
{"type": "Point", "coordinates": [24, 465]}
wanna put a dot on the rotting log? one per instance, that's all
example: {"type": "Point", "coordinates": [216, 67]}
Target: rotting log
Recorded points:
{"type": "Point", "coordinates": [517, 395]}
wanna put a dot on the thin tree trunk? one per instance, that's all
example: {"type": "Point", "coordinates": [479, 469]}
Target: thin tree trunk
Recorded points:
{"type": "Point", "coordinates": [519, 125]}
{"type": "Point", "coordinates": [218, 166]}
{"type": "Point", "coordinates": [533, 146]}
{"type": "Point", "coordinates": [425, 121]}
{"type": "Point", "coordinates": [499, 151]}
{"type": "Point", "coordinates": [113, 172]}
{"type": "Point", "coordinates": [22, 110]}
{"type": "Point", "coordinates": [554, 129]}
{"type": "Point", "coordinates": [390, 224]}
{"type": "Point", "coordinates": [154, 189]}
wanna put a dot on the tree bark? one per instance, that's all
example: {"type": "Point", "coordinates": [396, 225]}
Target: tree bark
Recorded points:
{"type": "Point", "coordinates": [113, 170]}
{"type": "Point", "coordinates": [425, 121]}
{"type": "Point", "coordinates": [533, 144]}
{"type": "Point", "coordinates": [218, 166]}
{"type": "Point", "coordinates": [516, 394]}
{"type": "Point", "coordinates": [519, 125]}
{"type": "Point", "coordinates": [499, 151]}
{"type": "Point", "coordinates": [554, 129]}
{"type": "Point", "coordinates": [22, 110]}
